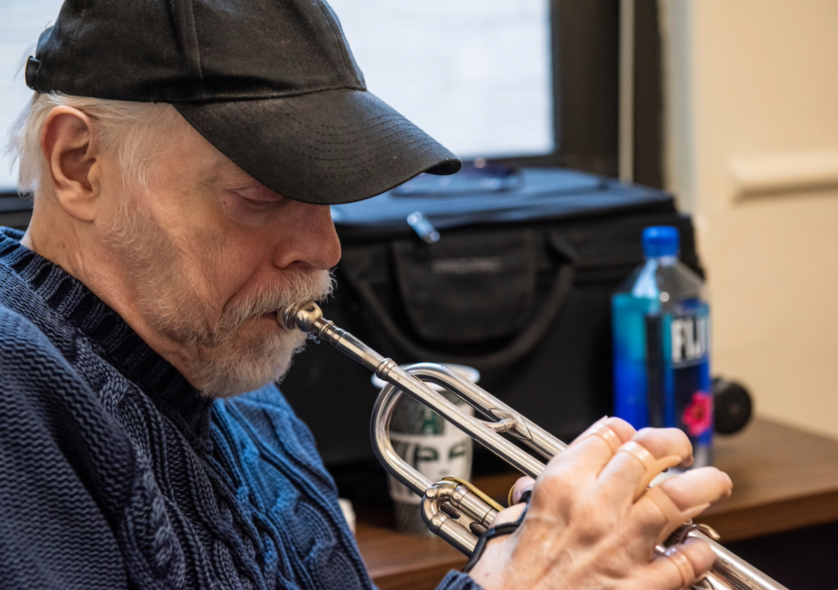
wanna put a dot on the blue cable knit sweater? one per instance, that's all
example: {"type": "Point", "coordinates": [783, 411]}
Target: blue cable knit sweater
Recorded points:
{"type": "Point", "coordinates": [116, 473]}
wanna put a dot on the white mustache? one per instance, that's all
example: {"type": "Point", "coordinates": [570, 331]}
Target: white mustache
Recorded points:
{"type": "Point", "coordinates": [300, 287]}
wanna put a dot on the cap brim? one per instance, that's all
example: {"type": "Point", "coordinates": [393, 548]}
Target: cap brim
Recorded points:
{"type": "Point", "coordinates": [328, 147]}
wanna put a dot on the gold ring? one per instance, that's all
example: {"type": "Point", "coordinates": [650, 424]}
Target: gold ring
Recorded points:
{"type": "Point", "coordinates": [685, 568]}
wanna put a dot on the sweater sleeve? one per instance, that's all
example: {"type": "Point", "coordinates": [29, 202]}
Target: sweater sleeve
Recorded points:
{"type": "Point", "coordinates": [53, 534]}
{"type": "Point", "coordinates": [458, 581]}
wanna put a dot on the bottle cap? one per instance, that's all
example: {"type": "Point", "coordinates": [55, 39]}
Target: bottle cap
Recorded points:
{"type": "Point", "coordinates": [662, 240]}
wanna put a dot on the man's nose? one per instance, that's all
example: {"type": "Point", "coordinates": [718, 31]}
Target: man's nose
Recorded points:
{"type": "Point", "coordinates": [307, 237]}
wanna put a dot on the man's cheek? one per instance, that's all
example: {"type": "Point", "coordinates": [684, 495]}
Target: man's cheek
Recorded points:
{"type": "Point", "coordinates": [212, 274]}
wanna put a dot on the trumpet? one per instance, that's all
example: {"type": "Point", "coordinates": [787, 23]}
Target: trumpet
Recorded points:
{"type": "Point", "coordinates": [454, 509]}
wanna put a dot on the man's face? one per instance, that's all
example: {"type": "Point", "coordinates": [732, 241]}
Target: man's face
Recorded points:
{"type": "Point", "coordinates": [208, 255]}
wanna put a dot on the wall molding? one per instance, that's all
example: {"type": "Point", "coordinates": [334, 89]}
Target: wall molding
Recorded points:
{"type": "Point", "coordinates": [782, 173]}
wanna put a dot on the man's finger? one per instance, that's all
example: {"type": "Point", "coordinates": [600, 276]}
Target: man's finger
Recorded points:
{"type": "Point", "coordinates": [687, 494]}
{"type": "Point", "coordinates": [683, 497]}
{"type": "Point", "coordinates": [666, 441]}
{"type": "Point", "coordinates": [699, 486]}
{"type": "Point", "coordinates": [589, 453]}
{"type": "Point", "coordinates": [578, 467]}
{"type": "Point", "coordinates": [625, 472]}
{"type": "Point", "coordinates": [620, 427]}
{"type": "Point", "coordinates": [667, 572]}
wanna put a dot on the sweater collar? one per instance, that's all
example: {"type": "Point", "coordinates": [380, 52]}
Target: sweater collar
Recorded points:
{"type": "Point", "coordinates": [112, 337]}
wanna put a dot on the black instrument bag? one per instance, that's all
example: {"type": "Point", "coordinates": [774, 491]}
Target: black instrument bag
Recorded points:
{"type": "Point", "coordinates": [518, 286]}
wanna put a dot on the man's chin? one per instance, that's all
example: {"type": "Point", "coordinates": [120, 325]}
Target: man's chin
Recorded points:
{"type": "Point", "coordinates": [230, 372]}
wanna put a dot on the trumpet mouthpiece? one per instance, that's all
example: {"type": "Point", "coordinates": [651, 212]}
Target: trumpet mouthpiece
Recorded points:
{"type": "Point", "coordinates": [302, 317]}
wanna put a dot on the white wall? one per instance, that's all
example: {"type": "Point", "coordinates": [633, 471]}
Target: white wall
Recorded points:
{"type": "Point", "coordinates": [752, 152]}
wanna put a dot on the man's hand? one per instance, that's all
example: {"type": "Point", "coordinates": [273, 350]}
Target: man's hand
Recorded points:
{"type": "Point", "coordinates": [586, 530]}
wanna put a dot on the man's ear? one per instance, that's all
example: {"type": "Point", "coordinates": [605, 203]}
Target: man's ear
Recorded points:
{"type": "Point", "coordinates": [70, 149]}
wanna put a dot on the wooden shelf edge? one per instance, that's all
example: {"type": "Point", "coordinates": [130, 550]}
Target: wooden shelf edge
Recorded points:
{"type": "Point", "coordinates": [786, 515]}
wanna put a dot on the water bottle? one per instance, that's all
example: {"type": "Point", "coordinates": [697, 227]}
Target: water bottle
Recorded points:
{"type": "Point", "coordinates": [661, 324]}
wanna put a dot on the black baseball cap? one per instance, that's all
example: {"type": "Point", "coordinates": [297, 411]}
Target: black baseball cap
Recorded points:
{"type": "Point", "coordinates": [271, 83]}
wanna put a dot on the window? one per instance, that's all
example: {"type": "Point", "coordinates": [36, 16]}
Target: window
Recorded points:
{"type": "Point", "coordinates": [21, 21]}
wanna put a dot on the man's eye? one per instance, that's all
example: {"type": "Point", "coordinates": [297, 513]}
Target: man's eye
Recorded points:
{"type": "Point", "coordinates": [258, 204]}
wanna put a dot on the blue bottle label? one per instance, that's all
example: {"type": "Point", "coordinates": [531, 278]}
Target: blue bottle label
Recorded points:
{"type": "Point", "coordinates": [689, 398]}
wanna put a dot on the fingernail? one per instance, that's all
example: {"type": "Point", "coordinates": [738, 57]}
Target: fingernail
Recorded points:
{"type": "Point", "coordinates": [601, 420]}
{"type": "Point", "coordinates": [517, 498]}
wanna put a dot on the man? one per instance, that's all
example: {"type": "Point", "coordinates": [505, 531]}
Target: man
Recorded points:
{"type": "Point", "coordinates": [182, 157]}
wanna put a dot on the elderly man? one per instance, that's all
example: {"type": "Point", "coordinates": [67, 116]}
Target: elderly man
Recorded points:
{"type": "Point", "coordinates": [182, 157]}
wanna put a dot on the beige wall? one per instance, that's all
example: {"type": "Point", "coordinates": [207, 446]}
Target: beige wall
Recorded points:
{"type": "Point", "coordinates": [752, 152]}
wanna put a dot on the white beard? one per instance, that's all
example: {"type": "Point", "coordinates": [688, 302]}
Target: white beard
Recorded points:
{"type": "Point", "coordinates": [224, 365]}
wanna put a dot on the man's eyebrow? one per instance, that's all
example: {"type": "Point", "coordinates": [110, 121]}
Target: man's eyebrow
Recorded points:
{"type": "Point", "coordinates": [205, 178]}
{"type": "Point", "coordinates": [209, 181]}
{"type": "Point", "coordinates": [247, 186]}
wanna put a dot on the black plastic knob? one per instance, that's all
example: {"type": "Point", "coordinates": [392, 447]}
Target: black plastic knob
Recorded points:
{"type": "Point", "coordinates": [732, 406]}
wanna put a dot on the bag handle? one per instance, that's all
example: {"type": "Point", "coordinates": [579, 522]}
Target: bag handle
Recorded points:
{"type": "Point", "coordinates": [519, 347]}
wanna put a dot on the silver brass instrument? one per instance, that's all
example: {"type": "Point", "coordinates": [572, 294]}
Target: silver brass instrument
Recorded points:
{"type": "Point", "coordinates": [455, 510]}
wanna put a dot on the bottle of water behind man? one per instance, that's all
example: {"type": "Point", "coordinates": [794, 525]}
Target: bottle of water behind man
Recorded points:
{"type": "Point", "coordinates": [661, 324]}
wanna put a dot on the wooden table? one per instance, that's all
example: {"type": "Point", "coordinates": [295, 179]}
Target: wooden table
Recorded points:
{"type": "Point", "coordinates": [783, 479]}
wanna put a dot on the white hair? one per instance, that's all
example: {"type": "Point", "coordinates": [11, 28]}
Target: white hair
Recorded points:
{"type": "Point", "coordinates": [125, 130]}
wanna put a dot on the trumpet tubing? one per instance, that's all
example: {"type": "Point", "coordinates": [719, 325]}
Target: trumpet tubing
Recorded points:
{"type": "Point", "coordinates": [453, 509]}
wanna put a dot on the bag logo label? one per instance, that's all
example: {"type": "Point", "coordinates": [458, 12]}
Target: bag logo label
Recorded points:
{"type": "Point", "coordinates": [466, 266]}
